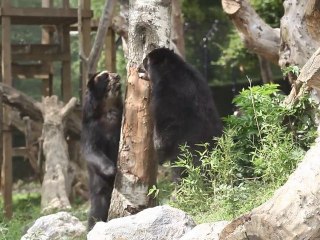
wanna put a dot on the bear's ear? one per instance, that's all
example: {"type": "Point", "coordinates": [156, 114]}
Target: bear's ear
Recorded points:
{"type": "Point", "coordinates": [91, 82]}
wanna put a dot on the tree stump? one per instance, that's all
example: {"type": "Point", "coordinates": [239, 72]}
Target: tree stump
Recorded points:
{"type": "Point", "coordinates": [56, 184]}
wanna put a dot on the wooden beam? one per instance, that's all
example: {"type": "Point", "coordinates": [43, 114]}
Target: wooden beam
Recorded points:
{"type": "Point", "coordinates": [20, 152]}
{"type": "Point", "coordinates": [24, 71]}
{"type": "Point", "coordinates": [47, 38]}
{"type": "Point", "coordinates": [6, 169]}
{"type": "Point", "coordinates": [65, 4]}
{"type": "Point", "coordinates": [3, 3]}
{"type": "Point", "coordinates": [38, 16]}
{"type": "Point", "coordinates": [66, 86]}
{"type": "Point", "coordinates": [86, 42]}
{"type": "Point", "coordinates": [93, 23]}
{"type": "Point", "coordinates": [110, 51]}
{"type": "Point", "coordinates": [47, 85]}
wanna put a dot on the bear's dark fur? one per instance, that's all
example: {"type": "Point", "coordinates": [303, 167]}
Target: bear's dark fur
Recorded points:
{"type": "Point", "coordinates": [182, 104]}
{"type": "Point", "coordinates": [101, 124]}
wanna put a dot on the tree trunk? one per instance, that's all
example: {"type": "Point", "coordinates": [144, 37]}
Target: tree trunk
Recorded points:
{"type": "Point", "coordinates": [300, 31]}
{"type": "Point", "coordinates": [56, 185]}
{"type": "Point", "coordinates": [177, 32]}
{"type": "Point", "coordinates": [149, 27]}
{"type": "Point", "coordinates": [265, 70]}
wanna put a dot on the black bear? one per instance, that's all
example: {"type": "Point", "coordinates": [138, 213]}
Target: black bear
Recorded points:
{"type": "Point", "coordinates": [181, 102]}
{"type": "Point", "coordinates": [101, 124]}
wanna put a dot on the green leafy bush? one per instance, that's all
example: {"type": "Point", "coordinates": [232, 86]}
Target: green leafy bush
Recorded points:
{"type": "Point", "coordinates": [259, 149]}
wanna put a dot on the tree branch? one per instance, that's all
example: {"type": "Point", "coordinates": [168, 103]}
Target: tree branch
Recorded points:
{"type": "Point", "coordinates": [309, 77]}
{"type": "Point", "coordinates": [104, 23]}
{"type": "Point", "coordinates": [68, 107]}
{"type": "Point", "coordinates": [258, 36]}
{"type": "Point", "coordinates": [82, 54]}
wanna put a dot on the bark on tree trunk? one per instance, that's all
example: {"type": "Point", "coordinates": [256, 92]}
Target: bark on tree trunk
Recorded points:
{"type": "Point", "coordinates": [177, 32]}
{"type": "Point", "coordinates": [56, 185]}
{"type": "Point", "coordinates": [149, 27]}
{"type": "Point", "coordinates": [300, 32]}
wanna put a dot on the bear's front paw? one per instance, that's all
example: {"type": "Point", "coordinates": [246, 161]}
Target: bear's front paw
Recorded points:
{"type": "Point", "coordinates": [109, 171]}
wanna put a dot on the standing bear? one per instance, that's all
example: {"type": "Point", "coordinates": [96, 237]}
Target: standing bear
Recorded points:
{"type": "Point", "coordinates": [101, 124]}
{"type": "Point", "coordinates": [182, 105]}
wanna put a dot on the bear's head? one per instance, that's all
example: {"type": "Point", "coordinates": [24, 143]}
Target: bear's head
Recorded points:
{"type": "Point", "coordinates": [104, 85]}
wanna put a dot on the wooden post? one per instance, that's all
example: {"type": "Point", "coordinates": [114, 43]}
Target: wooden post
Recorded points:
{"type": "Point", "coordinates": [66, 4]}
{"type": "Point", "coordinates": [110, 51]}
{"type": "Point", "coordinates": [177, 34]}
{"type": "Point", "coordinates": [47, 38]}
{"type": "Point", "coordinates": [86, 42]}
{"type": "Point", "coordinates": [6, 134]}
{"type": "Point", "coordinates": [66, 88]}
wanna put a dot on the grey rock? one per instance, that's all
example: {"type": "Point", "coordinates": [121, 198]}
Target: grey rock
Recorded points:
{"type": "Point", "coordinates": [61, 225]}
{"type": "Point", "coordinates": [205, 231]}
{"type": "Point", "coordinates": [158, 223]}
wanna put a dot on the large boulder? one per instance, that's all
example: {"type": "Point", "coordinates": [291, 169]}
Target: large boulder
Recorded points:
{"type": "Point", "coordinates": [61, 225]}
{"type": "Point", "coordinates": [158, 223]}
{"type": "Point", "coordinates": [205, 231]}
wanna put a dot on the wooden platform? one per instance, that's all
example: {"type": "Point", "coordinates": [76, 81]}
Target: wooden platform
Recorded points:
{"type": "Point", "coordinates": [35, 52]}
{"type": "Point", "coordinates": [39, 16]}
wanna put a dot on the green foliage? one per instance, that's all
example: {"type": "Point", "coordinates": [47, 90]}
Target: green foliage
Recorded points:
{"type": "Point", "coordinates": [291, 69]}
{"type": "Point", "coordinates": [200, 17]}
{"type": "Point", "coordinates": [233, 53]}
{"type": "Point", "coordinates": [26, 208]}
{"type": "Point", "coordinates": [260, 147]}
{"type": "Point", "coordinates": [269, 10]}
{"type": "Point", "coordinates": [154, 191]}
